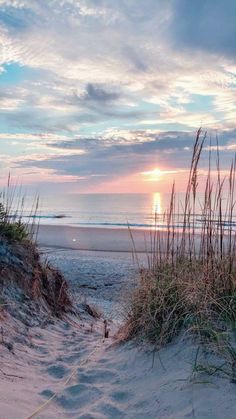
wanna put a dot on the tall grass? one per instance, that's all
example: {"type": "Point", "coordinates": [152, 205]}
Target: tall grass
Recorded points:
{"type": "Point", "coordinates": [12, 206]}
{"type": "Point", "coordinates": [190, 282]}
{"type": "Point", "coordinates": [19, 256]}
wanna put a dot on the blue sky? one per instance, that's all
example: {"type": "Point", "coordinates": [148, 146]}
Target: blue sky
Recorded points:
{"type": "Point", "coordinates": [95, 92]}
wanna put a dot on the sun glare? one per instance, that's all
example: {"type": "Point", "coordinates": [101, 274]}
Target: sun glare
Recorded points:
{"type": "Point", "coordinates": [153, 175]}
{"type": "Point", "coordinates": [156, 203]}
{"type": "Point", "coordinates": [158, 174]}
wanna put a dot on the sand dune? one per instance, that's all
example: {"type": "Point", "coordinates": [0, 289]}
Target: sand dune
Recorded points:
{"type": "Point", "coordinates": [96, 379]}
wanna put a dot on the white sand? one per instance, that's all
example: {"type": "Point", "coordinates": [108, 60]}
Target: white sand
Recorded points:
{"type": "Point", "coordinates": [113, 381]}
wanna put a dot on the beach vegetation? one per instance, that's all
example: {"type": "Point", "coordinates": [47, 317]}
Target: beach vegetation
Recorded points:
{"type": "Point", "coordinates": [189, 285]}
{"type": "Point", "coordinates": [12, 206]}
{"type": "Point", "coordinates": [20, 262]}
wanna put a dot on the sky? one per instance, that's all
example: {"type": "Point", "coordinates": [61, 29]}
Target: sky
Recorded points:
{"type": "Point", "coordinates": [106, 96]}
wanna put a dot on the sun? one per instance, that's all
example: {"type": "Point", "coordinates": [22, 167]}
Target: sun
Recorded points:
{"type": "Point", "coordinates": [157, 174]}
{"type": "Point", "coordinates": [153, 175]}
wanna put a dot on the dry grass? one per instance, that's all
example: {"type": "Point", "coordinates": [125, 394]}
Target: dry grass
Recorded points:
{"type": "Point", "coordinates": [190, 282]}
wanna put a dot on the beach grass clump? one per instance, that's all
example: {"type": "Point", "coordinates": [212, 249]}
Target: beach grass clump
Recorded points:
{"type": "Point", "coordinates": [20, 262]}
{"type": "Point", "coordinates": [182, 296]}
{"type": "Point", "coordinates": [12, 226]}
{"type": "Point", "coordinates": [190, 282]}
{"type": "Point", "coordinates": [157, 310]}
{"type": "Point", "coordinates": [12, 230]}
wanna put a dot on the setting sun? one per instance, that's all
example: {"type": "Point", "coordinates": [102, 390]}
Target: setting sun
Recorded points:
{"type": "Point", "coordinates": [157, 174]}
{"type": "Point", "coordinates": [154, 174]}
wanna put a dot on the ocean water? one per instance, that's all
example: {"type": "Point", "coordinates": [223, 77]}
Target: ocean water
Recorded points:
{"type": "Point", "coordinates": [109, 210]}
{"type": "Point", "coordinates": [101, 210]}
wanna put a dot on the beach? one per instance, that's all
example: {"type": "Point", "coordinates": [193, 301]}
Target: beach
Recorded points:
{"type": "Point", "coordinates": [117, 209]}
{"type": "Point", "coordinates": [94, 239]}
{"type": "Point", "coordinates": [68, 364]}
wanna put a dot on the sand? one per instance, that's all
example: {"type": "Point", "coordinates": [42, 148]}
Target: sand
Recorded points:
{"type": "Point", "coordinates": [99, 239]}
{"type": "Point", "coordinates": [103, 380]}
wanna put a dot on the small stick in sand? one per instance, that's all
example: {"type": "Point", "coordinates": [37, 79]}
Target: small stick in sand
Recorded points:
{"type": "Point", "coordinates": [106, 330]}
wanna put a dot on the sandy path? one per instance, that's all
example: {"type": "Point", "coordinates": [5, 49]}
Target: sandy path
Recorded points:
{"type": "Point", "coordinates": [102, 278]}
{"type": "Point", "coordinates": [122, 382]}
{"type": "Point", "coordinates": [108, 381]}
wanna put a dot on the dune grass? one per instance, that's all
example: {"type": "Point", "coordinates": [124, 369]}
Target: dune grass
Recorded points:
{"type": "Point", "coordinates": [20, 260]}
{"type": "Point", "coordinates": [190, 283]}
{"type": "Point", "coordinates": [12, 205]}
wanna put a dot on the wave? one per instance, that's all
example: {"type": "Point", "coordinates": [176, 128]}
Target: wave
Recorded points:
{"type": "Point", "coordinates": [141, 225]}
{"type": "Point", "coordinates": [49, 216]}
{"type": "Point", "coordinates": [197, 224]}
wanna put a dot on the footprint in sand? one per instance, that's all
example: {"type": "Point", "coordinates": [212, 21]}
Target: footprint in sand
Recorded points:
{"type": "Point", "coordinates": [47, 393]}
{"type": "Point", "coordinates": [74, 356]}
{"type": "Point", "coordinates": [121, 396]}
{"type": "Point", "coordinates": [78, 396]}
{"type": "Point", "coordinates": [57, 371]}
{"type": "Point", "coordinates": [98, 376]}
{"type": "Point", "coordinates": [109, 411]}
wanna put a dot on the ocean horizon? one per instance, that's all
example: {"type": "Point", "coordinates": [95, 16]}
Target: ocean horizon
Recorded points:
{"type": "Point", "coordinates": [110, 210]}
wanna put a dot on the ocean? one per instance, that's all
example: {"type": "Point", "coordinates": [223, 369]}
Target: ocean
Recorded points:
{"type": "Point", "coordinates": [109, 210]}
{"type": "Point", "coordinates": [102, 210]}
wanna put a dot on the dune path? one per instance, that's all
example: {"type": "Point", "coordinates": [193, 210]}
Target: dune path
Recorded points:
{"type": "Point", "coordinates": [93, 378]}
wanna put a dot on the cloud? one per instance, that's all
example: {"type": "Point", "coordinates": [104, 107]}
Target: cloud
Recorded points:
{"type": "Point", "coordinates": [116, 80]}
{"type": "Point", "coordinates": [32, 136]}
{"type": "Point", "coordinates": [207, 25]}
{"type": "Point", "coordinates": [112, 157]}
{"type": "Point", "coordinates": [97, 93]}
